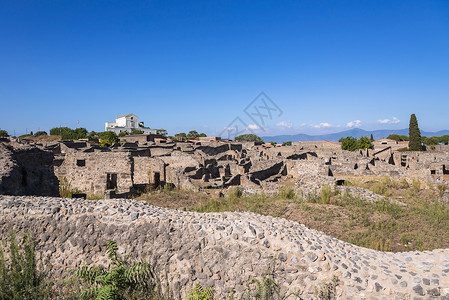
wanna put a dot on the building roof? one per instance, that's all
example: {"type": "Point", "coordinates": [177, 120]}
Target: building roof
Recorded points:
{"type": "Point", "coordinates": [124, 116]}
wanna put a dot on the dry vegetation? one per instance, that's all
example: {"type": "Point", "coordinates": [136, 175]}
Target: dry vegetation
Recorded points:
{"type": "Point", "coordinates": [421, 225]}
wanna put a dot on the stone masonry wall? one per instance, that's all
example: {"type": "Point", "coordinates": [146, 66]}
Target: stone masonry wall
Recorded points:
{"type": "Point", "coordinates": [223, 250]}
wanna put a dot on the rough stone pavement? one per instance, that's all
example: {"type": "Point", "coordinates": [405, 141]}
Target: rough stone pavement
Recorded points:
{"type": "Point", "coordinates": [220, 249]}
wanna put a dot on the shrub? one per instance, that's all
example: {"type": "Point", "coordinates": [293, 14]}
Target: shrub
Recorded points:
{"type": "Point", "coordinates": [441, 189]}
{"type": "Point", "coordinates": [118, 280]}
{"type": "Point", "coordinates": [325, 194]}
{"type": "Point", "coordinates": [123, 133]}
{"type": "Point", "coordinates": [19, 278]}
{"type": "Point", "coordinates": [200, 293]}
{"type": "Point", "coordinates": [286, 192]}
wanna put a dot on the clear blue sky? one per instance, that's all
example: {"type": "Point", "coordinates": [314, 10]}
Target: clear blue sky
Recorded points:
{"type": "Point", "coordinates": [183, 65]}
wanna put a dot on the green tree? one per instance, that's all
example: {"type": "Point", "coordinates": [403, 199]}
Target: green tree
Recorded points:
{"type": "Point", "coordinates": [273, 143]}
{"type": "Point", "coordinates": [404, 137]}
{"type": "Point", "coordinates": [434, 140]}
{"type": "Point", "coordinates": [192, 135]}
{"type": "Point", "coordinates": [161, 132]}
{"type": "Point", "coordinates": [202, 134]}
{"type": "Point", "coordinates": [181, 136]}
{"type": "Point", "coordinates": [444, 139]}
{"type": "Point", "coordinates": [414, 134]}
{"type": "Point", "coordinates": [108, 138]}
{"type": "Point", "coordinates": [348, 143]}
{"type": "Point", "coordinates": [3, 133]}
{"type": "Point", "coordinates": [288, 143]}
{"type": "Point", "coordinates": [371, 138]}
{"type": "Point", "coordinates": [248, 138]}
{"type": "Point", "coordinates": [93, 135]}
{"type": "Point", "coordinates": [67, 133]}
{"type": "Point", "coordinates": [123, 133]}
{"type": "Point", "coordinates": [80, 133]}
{"type": "Point", "coordinates": [364, 143]}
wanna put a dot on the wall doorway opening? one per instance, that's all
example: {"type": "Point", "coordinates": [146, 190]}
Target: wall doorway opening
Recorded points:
{"type": "Point", "coordinates": [156, 179]}
{"type": "Point", "coordinates": [111, 181]}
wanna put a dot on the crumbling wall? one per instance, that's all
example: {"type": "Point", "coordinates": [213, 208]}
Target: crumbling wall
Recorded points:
{"type": "Point", "coordinates": [27, 171]}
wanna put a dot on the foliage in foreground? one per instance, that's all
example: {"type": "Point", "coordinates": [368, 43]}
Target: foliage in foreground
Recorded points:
{"type": "Point", "coordinates": [200, 293]}
{"type": "Point", "coordinates": [120, 279]}
{"type": "Point", "coordinates": [19, 277]}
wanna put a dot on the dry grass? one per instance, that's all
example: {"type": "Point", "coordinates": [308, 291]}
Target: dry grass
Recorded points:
{"type": "Point", "coordinates": [422, 225]}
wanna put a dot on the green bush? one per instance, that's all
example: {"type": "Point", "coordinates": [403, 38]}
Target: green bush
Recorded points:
{"type": "Point", "coordinates": [200, 293]}
{"type": "Point", "coordinates": [119, 280]}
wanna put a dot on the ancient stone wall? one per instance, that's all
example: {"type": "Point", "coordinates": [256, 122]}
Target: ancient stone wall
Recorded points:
{"type": "Point", "coordinates": [222, 250]}
{"type": "Point", "coordinates": [27, 171]}
{"type": "Point", "coordinates": [88, 171]}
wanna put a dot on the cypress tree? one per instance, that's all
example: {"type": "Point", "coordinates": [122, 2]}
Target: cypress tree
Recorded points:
{"type": "Point", "coordinates": [414, 134]}
{"type": "Point", "coordinates": [372, 138]}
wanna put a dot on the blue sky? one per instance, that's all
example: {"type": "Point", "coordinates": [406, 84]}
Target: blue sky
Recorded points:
{"type": "Point", "coordinates": [182, 65]}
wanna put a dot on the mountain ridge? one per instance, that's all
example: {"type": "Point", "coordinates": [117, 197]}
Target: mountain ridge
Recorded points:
{"type": "Point", "coordinates": [356, 132]}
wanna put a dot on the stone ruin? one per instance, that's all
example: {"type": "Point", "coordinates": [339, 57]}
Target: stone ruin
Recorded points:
{"type": "Point", "coordinates": [202, 166]}
{"type": "Point", "coordinates": [223, 250]}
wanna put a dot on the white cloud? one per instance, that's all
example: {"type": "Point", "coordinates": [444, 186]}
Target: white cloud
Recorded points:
{"type": "Point", "coordinates": [286, 124]}
{"type": "Point", "coordinates": [303, 124]}
{"type": "Point", "coordinates": [353, 124]}
{"type": "Point", "coordinates": [388, 121]}
{"type": "Point", "coordinates": [322, 125]}
{"type": "Point", "coordinates": [253, 127]}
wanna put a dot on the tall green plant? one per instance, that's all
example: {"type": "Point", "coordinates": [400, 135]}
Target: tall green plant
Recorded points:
{"type": "Point", "coordinates": [120, 279]}
{"type": "Point", "coordinates": [19, 277]}
{"type": "Point", "coordinates": [414, 135]}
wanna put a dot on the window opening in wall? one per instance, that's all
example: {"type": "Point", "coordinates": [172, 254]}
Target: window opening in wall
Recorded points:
{"type": "Point", "coordinates": [81, 162]}
{"type": "Point", "coordinates": [111, 181]}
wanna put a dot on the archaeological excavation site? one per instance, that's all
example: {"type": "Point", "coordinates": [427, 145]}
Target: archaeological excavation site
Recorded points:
{"type": "Point", "coordinates": [319, 221]}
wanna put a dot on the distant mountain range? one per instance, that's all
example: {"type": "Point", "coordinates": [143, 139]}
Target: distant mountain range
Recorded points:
{"type": "Point", "coordinates": [356, 132]}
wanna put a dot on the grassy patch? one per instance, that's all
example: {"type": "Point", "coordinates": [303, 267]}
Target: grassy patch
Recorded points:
{"type": "Point", "coordinates": [384, 225]}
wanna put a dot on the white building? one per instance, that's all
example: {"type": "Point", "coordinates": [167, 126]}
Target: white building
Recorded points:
{"type": "Point", "coordinates": [129, 123]}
